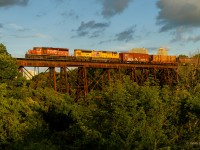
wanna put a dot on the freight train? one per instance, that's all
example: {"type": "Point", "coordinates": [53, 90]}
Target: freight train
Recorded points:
{"type": "Point", "coordinates": [133, 56]}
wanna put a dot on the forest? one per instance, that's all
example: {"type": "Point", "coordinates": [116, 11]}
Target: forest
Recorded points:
{"type": "Point", "coordinates": [121, 116]}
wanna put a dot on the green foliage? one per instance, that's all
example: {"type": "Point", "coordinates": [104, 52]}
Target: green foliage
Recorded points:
{"type": "Point", "coordinates": [40, 80]}
{"type": "Point", "coordinates": [8, 65]}
{"type": "Point", "coordinates": [189, 75]}
{"type": "Point", "coordinates": [196, 56]}
{"type": "Point", "coordinates": [15, 118]}
{"type": "Point", "coordinates": [122, 116]}
{"type": "Point", "coordinates": [3, 49]}
{"type": "Point", "coordinates": [128, 116]}
{"type": "Point", "coordinates": [121, 119]}
{"type": "Point", "coordinates": [182, 56]}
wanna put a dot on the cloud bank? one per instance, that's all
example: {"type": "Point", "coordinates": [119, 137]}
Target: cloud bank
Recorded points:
{"type": "Point", "coordinates": [185, 35]}
{"type": "Point", "coordinates": [113, 7]}
{"type": "Point", "coordinates": [91, 29]}
{"type": "Point", "coordinates": [123, 36]}
{"type": "Point", "coordinates": [4, 3]}
{"type": "Point", "coordinates": [178, 13]}
{"type": "Point", "coordinates": [126, 35]}
{"type": "Point", "coordinates": [181, 17]}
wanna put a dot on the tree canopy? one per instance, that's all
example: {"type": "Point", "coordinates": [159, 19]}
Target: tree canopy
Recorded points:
{"type": "Point", "coordinates": [8, 65]}
{"type": "Point", "coordinates": [3, 49]}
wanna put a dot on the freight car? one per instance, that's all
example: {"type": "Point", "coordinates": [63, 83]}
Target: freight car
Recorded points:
{"type": "Point", "coordinates": [162, 59]}
{"type": "Point", "coordinates": [126, 57]}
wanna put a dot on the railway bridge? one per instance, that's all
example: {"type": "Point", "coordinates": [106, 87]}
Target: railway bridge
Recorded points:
{"type": "Point", "coordinates": [87, 75]}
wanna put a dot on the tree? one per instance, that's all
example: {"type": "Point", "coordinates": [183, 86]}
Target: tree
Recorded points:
{"type": "Point", "coordinates": [182, 56]}
{"type": "Point", "coordinates": [3, 49]}
{"type": "Point", "coordinates": [123, 116]}
{"type": "Point", "coordinates": [8, 65]}
{"type": "Point", "coordinates": [196, 56]}
{"type": "Point", "coordinates": [16, 118]}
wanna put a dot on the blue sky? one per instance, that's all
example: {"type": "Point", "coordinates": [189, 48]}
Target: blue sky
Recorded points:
{"type": "Point", "coordinates": [115, 25]}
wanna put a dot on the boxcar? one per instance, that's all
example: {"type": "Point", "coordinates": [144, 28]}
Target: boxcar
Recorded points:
{"type": "Point", "coordinates": [162, 59]}
{"type": "Point", "coordinates": [133, 57]}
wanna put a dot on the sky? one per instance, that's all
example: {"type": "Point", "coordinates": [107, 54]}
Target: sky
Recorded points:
{"type": "Point", "coordinates": [112, 25]}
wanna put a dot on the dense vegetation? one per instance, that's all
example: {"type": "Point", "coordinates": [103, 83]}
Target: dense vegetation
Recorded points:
{"type": "Point", "coordinates": [121, 116]}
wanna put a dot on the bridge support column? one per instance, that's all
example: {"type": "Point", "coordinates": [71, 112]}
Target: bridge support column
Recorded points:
{"type": "Point", "coordinates": [82, 83]}
{"type": "Point", "coordinates": [64, 85]}
{"type": "Point", "coordinates": [52, 77]}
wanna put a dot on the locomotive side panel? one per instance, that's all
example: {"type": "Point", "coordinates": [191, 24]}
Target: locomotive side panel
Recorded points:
{"type": "Point", "coordinates": [47, 53]}
{"type": "Point", "coordinates": [35, 53]}
{"type": "Point", "coordinates": [63, 52]}
{"type": "Point", "coordinates": [82, 53]}
{"type": "Point", "coordinates": [96, 55]}
{"type": "Point", "coordinates": [52, 51]}
{"type": "Point", "coordinates": [107, 55]}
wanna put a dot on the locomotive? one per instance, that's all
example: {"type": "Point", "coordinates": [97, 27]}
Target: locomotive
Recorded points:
{"type": "Point", "coordinates": [47, 53]}
{"type": "Point", "coordinates": [133, 56]}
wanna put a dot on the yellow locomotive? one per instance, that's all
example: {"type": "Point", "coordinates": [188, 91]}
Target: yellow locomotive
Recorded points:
{"type": "Point", "coordinates": [96, 55]}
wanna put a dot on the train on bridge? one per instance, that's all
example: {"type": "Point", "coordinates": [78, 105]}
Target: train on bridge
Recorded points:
{"type": "Point", "coordinates": [138, 55]}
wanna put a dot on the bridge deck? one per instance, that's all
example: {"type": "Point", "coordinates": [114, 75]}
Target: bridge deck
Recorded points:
{"type": "Point", "coordinates": [64, 63]}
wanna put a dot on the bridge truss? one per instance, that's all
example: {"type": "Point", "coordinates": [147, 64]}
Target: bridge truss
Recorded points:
{"type": "Point", "coordinates": [78, 77]}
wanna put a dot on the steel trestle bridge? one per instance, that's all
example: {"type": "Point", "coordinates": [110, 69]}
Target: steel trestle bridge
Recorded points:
{"type": "Point", "coordinates": [82, 79]}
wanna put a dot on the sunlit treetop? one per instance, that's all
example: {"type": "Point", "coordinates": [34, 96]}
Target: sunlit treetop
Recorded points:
{"type": "Point", "coordinates": [3, 49]}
